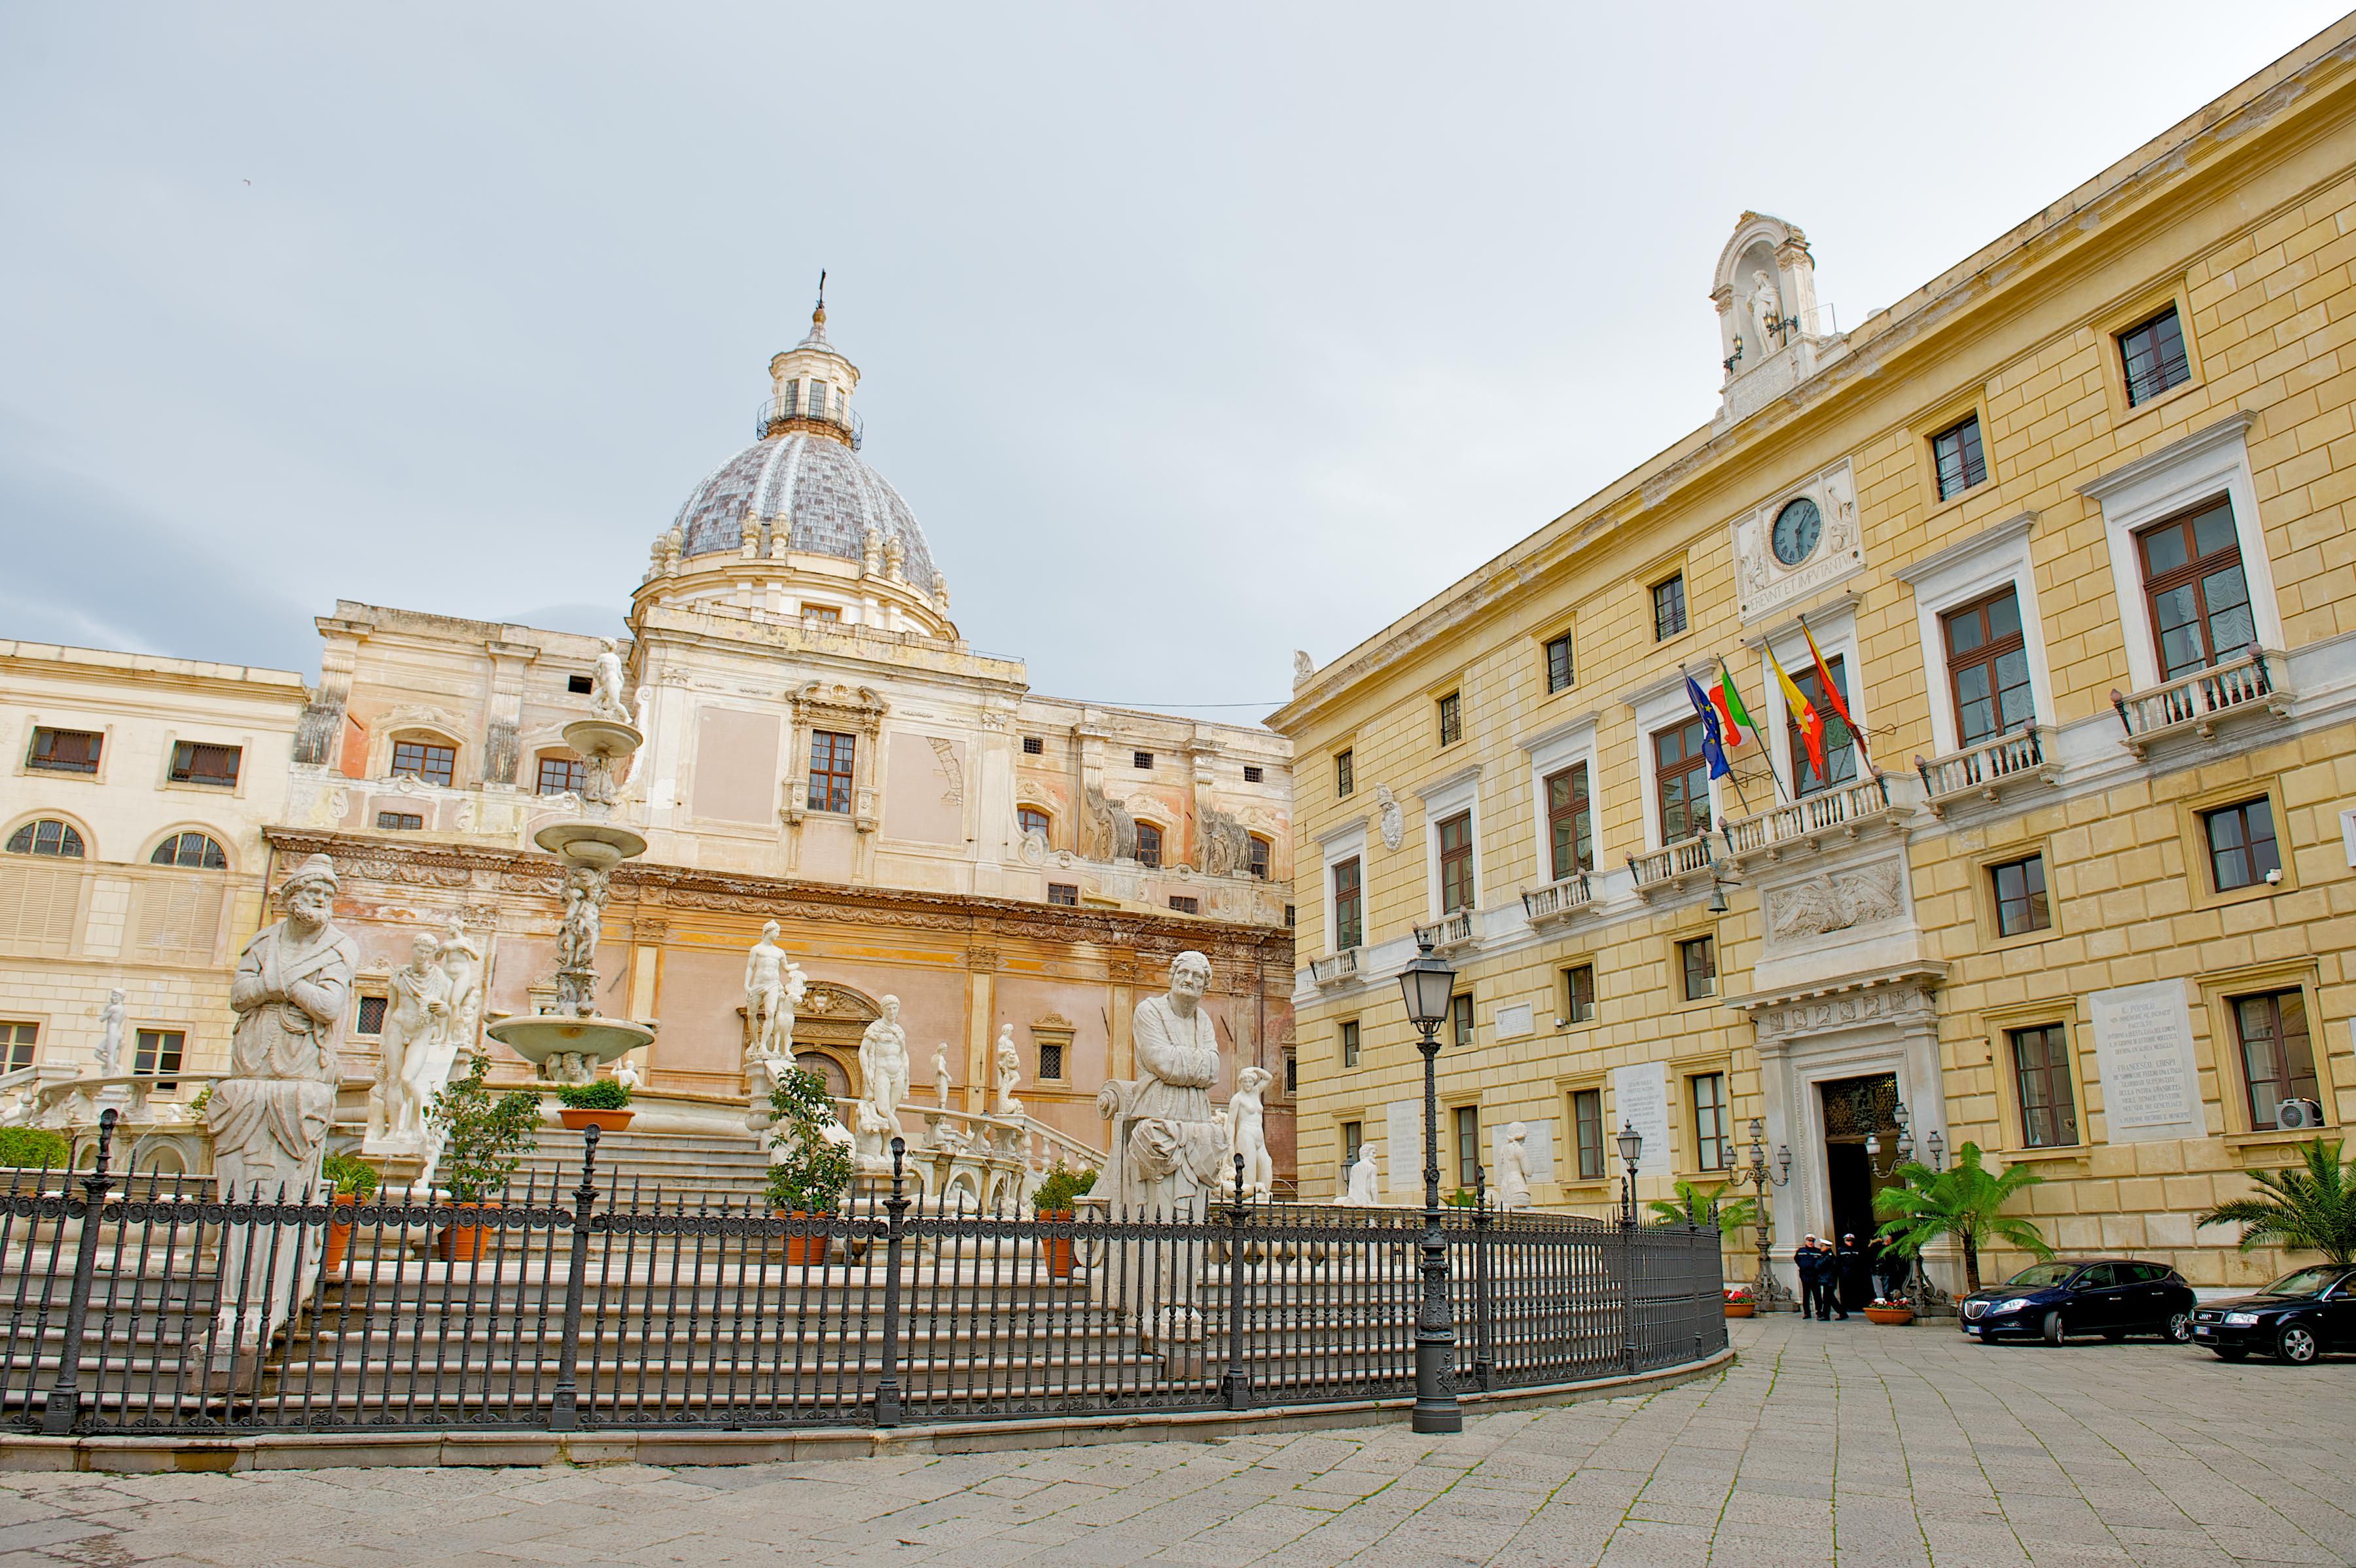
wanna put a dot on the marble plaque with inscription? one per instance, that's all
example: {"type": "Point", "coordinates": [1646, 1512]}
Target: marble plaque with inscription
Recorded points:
{"type": "Point", "coordinates": [1640, 1099]}
{"type": "Point", "coordinates": [2143, 1054]}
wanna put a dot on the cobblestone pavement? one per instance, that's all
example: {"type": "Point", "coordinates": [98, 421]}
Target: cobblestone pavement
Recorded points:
{"type": "Point", "coordinates": [1836, 1441]}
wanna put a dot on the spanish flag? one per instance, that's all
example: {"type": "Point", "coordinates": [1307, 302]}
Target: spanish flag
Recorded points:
{"type": "Point", "coordinates": [1810, 723]}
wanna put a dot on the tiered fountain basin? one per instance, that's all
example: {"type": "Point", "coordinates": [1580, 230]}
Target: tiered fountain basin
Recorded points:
{"type": "Point", "coordinates": [598, 845]}
{"type": "Point", "coordinates": [536, 1037]}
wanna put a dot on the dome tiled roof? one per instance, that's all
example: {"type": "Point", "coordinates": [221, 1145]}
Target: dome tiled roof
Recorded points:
{"type": "Point", "coordinates": [819, 487]}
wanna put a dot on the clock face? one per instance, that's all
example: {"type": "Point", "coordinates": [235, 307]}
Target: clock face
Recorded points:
{"type": "Point", "coordinates": [1796, 527]}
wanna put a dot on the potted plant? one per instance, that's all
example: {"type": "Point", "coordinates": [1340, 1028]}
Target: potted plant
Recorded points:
{"type": "Point", "coordinates": [1889, 1311]}
{"type": "Point", "coordinates": [603, 1104]}
{"type": "Point", "coordinates": [2311, 1209]}
{"type": "Point", "coordinates": [1053, 1202]}
{"type": "Point", "coordinates": [812, 1168]}
{"type": "Point", "coordinates": [1740, 1302]}
{"type": "Point", "coordinates": [1701, 1205]}
{"type": "Point", "coordinates": [354, 1183]}
{"type": "Point", "coordinates": [1964, 1201]}
{"type": "Point", "coordinates": [483, 1138]}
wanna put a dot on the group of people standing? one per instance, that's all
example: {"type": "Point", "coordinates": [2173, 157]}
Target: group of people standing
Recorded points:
{"type": "Point", "coordinates": [1834, 1278]}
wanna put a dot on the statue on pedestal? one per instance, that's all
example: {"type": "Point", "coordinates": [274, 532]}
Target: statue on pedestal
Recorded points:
{"type": "Point", "coordinates": [1514, 1169]}
{"type": "Point", "coordinates": [586, 890]}
{"type": "Point", "coordinates": [1248, 1133]}
{"type": "Point", "coordinates": [1009, 1064]}
{"type": "Point", "coordinates": [883, 1072]}
{"type": "Point", "coordinates": [109, 1050]}
{"type": "Point", "coordinates": [462, 961]}
{"type": "Point", "coordinates": [606, 685]}
{"type": "Point", "coordinates": [941, 1074]}
{"type": "Point", "coordinates": [416, 1017]}
{"type": "Point", "coordinates": [774, 987]}
{"type": "Point", "coordinates": [1366, 1184]}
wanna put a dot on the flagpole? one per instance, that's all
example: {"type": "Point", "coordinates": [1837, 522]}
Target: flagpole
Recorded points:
{"type": "Point", "coordinates": [1832, 695]}
{"type": "Point", "coordinates": [1766, 752]}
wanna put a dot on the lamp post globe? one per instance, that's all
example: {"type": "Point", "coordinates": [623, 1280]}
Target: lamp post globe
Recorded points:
{"type": "Point", "coordinates": [1631, 1149]}
{"type": "Point", "coordinates": [1427, 984]}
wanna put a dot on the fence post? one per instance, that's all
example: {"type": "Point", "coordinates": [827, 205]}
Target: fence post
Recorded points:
{"type": "Point", "coordinates": [564, 1409]}
{"type": "Point", "coordinates": [1235, 1389]}
{"type": "Point", "coordinates": [1481, 1275]}
{"type": "Point", "coordinates": [61, 1411]}
{"type": "Point", "coordinates": [887, 1387]}
{"type": "Point", "coordinates": [1628, 1293]}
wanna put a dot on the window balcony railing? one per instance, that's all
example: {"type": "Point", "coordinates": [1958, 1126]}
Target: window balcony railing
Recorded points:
{"type": "Point", "coordinates": [1453, 930]}
{"type": "Point", "coordinates": [1558, 901]}
{"type": "Point", "coordinates": [2248, 684]}
{"type": "Point", "coordinates": [1990, 767]}
{"type": "Point", "coordinates": [1334, 969]}
{"type": "Point", "coordinates": [777, 417]}
{"type": "Point", "coordinates": [1808, 819]}
{"type": "Point", "coordinates": [1672, 865]}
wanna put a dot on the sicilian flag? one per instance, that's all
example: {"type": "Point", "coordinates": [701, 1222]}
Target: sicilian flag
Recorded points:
{"type": "Point", "coordinates": [1832, 694]}
{"type": "Point", "coordinates": [1732, 717]}
{"type": "Point", "coordinates": [1810, 723]}
{"type": "Point", "coordinates": [1711, 747]}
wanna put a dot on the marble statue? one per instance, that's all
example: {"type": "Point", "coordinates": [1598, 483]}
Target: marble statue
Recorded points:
{"type": "Point", "coordinates": [884, 1066]}
{"type": "Point", "coordinates": [1514, 1168]}
{"type": "Point", "coordinates": [1173, 1152]}
{"type": "Point", "coordinates": [941, 1074]}
{"type": "Point", "coordinates": [462, 961]}
{"type": "Point", "coordinates": [606, 685]}
{"type": "Point", "coordinates": [774, 988]}
{"type": "Point", "coordinates": [1766, 310]}
{"type": "Point", "coordinates": [627, 1074]}
{"type": "Point", "coordinates": [109, 1050]}
{"type": "Point", "coordinates": [1365, 1187]}
{"type": "Point", "coordinates": [585, 889]}
{"type": "Point", "coordinates": [416, 1019]}
{"type": "Point", "coordinates": [1248, 1132]}
{"type": "Point", "coordinates": [1009, 1073]}
{"type": "Point", "coordinates": [1304, 668]}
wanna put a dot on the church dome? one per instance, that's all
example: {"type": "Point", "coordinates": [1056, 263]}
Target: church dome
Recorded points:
{"type": "Point", "coordinates": [814, 487]}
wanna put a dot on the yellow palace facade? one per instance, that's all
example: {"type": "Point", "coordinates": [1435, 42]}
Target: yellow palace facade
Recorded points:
{"type": "Point", "coordinates": [2068, 526]}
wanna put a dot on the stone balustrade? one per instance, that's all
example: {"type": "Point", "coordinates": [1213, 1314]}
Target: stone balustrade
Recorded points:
{"type": "Point", "coordinates": [1558, 902]}
{"type": "Point", "coordinates": [1989, 769]}
{"type": "Point", "coordinates": [2248, 685]}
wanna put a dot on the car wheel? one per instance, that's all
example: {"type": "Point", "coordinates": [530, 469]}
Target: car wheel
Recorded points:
{"type": "Point", "coordinates": [2053, 1328]}
{"type": "Point", "coordinates": [2179, 1328]}
{"type": "Point", "coordinates": [2230, 1352]}
{"type": "Point", "coordinates": [2296, 1343]}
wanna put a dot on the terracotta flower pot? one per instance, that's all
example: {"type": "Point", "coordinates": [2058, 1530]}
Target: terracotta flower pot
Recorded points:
{"type": "Point", "coordinates": [1889, 1317]}
{"type": "Point", "coordinates": [802, 1250]}
{"type": "Point", "coordinates": [1058, 1248]}
{"type": "Point", "coordinates": [460, 1241]}
{"type": "Point", "coordinates": [339, 1234]}
{"type": "Point", "coordinates": [1740, 1308]}
{"type": "Point", "coordinates": [604, 1121]}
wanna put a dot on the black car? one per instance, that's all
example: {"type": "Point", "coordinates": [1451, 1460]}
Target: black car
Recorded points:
{"type": "Point", "coordinates": [2110, 1297]}
{"type": "Point", "coordinates": [2297, 1318]}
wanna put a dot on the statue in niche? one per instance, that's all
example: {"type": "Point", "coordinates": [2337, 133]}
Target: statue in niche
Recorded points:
{"type": "Point", "coordinates": [1008, 1063]}
{"type": "Point", "coordinates": [1248, 1132]}
{"type": "Point", "coordinates": [1366, 1186]}
{"type": "Point", "coordinates": [415, 1019]}
{"type": "Point", "coordinates": [1514, 1168]}
{"type": "Point", "coordinates": [774, 988]}
{"type": "Point", "coordinates": [1766, 310]}
{"type": "Point", "coordinates": [606, 685]}
{"type": "Point", "coordinates": [111, 1019]}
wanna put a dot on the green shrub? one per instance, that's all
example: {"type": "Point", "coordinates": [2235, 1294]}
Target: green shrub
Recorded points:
{"type": "Point", "coordinates": [483, 1136]}
{"type": "Point", "coordinates": [601, 1094]}
{"type": "Point", "coordinates": [353, 1178]}
{"type": "Point", "coordinates": [1062, 1184]}
{"type": "Point", "coordinates": [31, 1146]}
{"type": "Point", "coordinates": [816, 1170]}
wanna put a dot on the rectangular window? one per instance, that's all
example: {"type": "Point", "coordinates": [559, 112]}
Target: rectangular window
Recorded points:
{"type": "Point", "coordinates": [2021, 902]}
{"type": "Point", "coordinates": [65, 750]}
{"type": "Point", "coordinates": [1065, 893]}
{"type": "Point", "coordinates": [1353, 1137]}
{"type": "Point", "coordinates": [818, 400]}
{"type": "Point", "coordinates": [1254, 774]}
{"type": "Point", "coordinates": [2241, 846]}
{"type": "Point", "coordinates": [1988, 667]}
{"type": "Point", "coordinates": [2153, 356]}
{"type": "Point", "coordinates": [2277, 1059]}
{"type": "Point", "coordinates": [1185, 904]}
{"type": "Point", "coordinates": [194, 762]}
{"type": "Point", "coordinates": [1051, 1060]}
{"type": "Point", "coordinates": [400, 822]}
{"type": "Point", "coordinates": [831, 755]}
{"type": "Point", "coordinates": [790, 399]}
{"type": "Point", "coordinates": [1697, 967]}
{"type": "Point", "coordinates": [1350, 1042]}
{"type": "Point", "coordinates": [370, 1020]}
{"type": "Point", "coordinates": [1456, 863]}
{"type": "Point", "coordinates": [19, 1041]}
{"type": "Point", "coordinates": [1289, 918]}
{"type": "Point", "coordinates": [424, 761]}
{"type": "Point", "coordinates": [1149, 846]}
{"type": "Point", "coordinates": [580, 686]}
{"type": "Point", "coordinates": [1840, 751]}
{"type": "Point", "coordinates": [1468, 1146]}
{"type": "Point", "coordinates": [559, 774]}
{"type": "Point", "coordinates": [157, 1054]}
{"type": "Point", "coordinates": [1713, 1150]}
{"type": "Point", "coordinates": [1255, 859]}
{"type": "Point", "coordinates": [1344, 774]}
{"type": "Point", "coordinates": [1956, 450]}
{"type": "Point", "coordinates": [1349, 913]}
{"type": "Point", "coordinates": [1460, 1018]}
{"type": "Point", "coordinates": [1579, 993]}
{"type": "Point", "coordinates": [2040, 1073]}
{"type": "Point", "coordinates": [2200, 597]}
{"type": "Point", "coordinates": [1587, 1132]}
{"type": "Point", "coordinates": [829, 613]}
{"type": "Point", "coordinates": [1681, 775]}
{"type": "Point", "coordinates": [1558, 664]}
{"type": "Point", "coordinates": [1033, 746]}
{"type": "Point", "coordinates": [1570, 824]}
{"type": "Point", "coordinates": [1141, 759]}
{"type": "Point", "coordinates": [1668, 607]}
{"type": "Point", "coordinates": [1291, 1073]}
{"type": "Point", "coordinates": [1452, 719]}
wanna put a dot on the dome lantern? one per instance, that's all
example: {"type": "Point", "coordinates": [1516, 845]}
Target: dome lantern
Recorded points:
{"type": "Point", "coordinates": [810, 387]}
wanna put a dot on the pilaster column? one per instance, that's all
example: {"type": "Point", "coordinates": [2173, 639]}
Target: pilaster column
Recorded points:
{"type": "Point", "coordinates": [504, 722]}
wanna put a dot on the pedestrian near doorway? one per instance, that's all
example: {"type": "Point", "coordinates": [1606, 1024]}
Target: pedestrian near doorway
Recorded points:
{"type": "Point", "coordinates": [1856, 1273]}
{"type": "Point", "coordinates": [1804, 1259]}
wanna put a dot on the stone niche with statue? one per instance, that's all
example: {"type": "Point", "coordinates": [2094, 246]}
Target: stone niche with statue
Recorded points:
{"type": "Point", "coordinates": [1773, 335]}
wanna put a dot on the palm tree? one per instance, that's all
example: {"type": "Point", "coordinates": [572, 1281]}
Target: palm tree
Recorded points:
{"type": "Point", "coordinates": [1964, 1201]}
{"type": "Point", "coordinates": [1701, 1205]}
{"type": "Point", "coordinates": [2310, 1211]}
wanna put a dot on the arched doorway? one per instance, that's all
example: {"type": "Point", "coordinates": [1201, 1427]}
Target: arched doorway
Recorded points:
{"type": "Point", "coordinates": [827, 1026]}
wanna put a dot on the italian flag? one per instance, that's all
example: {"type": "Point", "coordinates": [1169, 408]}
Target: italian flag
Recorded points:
{"type": "Point", "coordinates": [1732, 717]}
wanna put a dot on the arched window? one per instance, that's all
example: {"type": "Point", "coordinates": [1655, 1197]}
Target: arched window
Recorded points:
{"type": "Point", "coordinates": [1259, 858]}
{"type": "Point", "coordinates": [1033, 819]}
{"type": "Point", "coordinates": [1149, 844]}
{"type": "Point", "coordinates": [48, 836]}
{"type": "Point", "coordinates": [195, 850]}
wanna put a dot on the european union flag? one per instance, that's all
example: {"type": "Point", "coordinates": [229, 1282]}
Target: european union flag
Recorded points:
{"type": "Point", "coordinates": [1713, 745]}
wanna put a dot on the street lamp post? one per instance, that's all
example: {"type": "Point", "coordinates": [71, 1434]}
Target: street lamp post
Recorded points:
{"type": "Point", "coordinates": [1768, 1290]}
{"type": "Point", "coordinates": [1428, 984]}
{"type": "Point", "coordinates": [1631, 1149]}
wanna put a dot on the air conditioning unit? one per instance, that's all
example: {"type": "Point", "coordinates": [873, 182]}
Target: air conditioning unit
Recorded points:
{"type": "Point", "coordinates": [2300, 1115]}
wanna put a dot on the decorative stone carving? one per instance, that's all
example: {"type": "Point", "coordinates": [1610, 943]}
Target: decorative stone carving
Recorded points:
{"type": "Point", "coordinates": [1766, 309]}
{"type": "Point", "coordinates": [1033, 848]}
{"type": "Point", "coordinates": [1514, 1168]}
{"type": "Point", "coordinates": [1768, 584]}
{"type": "Point", "coordinates": [952, 770]}
{"type": "Point", "coordinates": [109, 1049]}
{"type": "Point", "coordinates": [1223, 844]}
{"type": "Point", "coordinates": [1304, 668]}
{"type": "Point", "coordinates": [1009, 1073]}
{"type": "Point", "coordinates": [462, 961]}
{"type": "Point", "coordinates": [416, 1019]}
{"type": "Point", "coordinates": [1107, 831]}
{"type": "Point", "coordinates": [1390, 820]}
{"type": "Point", "coordinates": [1366, 1181]}
{"type": "Point", "coordinates": [585, 891]}
{"type": "Point", "coordinates": [1818, 905]}
{"type": "Point", "coordinates": [1903, 998]}
{"type": "Point", "coordinates": [883, 1074]}
{"type": "Point", "coordinates": [1248, 1132]}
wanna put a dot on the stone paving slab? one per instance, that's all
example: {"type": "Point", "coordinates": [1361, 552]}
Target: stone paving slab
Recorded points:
{"type": "Point", "coordinates": [1825, 1442]}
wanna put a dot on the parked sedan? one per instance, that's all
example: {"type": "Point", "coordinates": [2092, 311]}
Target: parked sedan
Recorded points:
{"type": "Point", "coordinates": [2111, 1296]}
{"type": "Point", "coordinates": [2297, 1318]}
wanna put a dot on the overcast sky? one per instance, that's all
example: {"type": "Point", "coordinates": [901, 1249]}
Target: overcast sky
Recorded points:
{"type": "Point", "coordinates": [1191, 335]}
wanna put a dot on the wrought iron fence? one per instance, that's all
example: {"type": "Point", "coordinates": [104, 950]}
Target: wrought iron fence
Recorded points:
{"type": "Point", "coordinates": [158, 1306]}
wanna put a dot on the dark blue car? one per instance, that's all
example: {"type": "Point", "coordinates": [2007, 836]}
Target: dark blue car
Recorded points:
{"type": "Point", "coordinates": [2110, 1297]}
